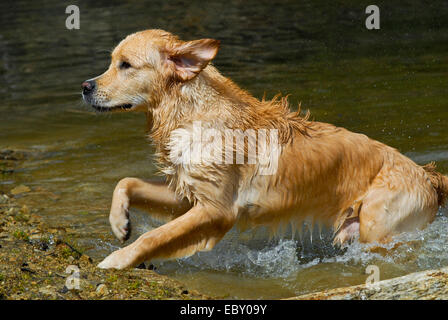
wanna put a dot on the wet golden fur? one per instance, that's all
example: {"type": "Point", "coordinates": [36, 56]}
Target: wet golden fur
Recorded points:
{"type": "Point", "coordinates": [326, 174]}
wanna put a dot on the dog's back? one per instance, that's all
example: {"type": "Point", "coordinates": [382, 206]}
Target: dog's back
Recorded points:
{"type": "Point", "coordinates": [330, 175]}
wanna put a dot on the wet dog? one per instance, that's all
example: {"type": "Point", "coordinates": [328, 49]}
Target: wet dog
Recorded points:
{"type": "Point", "coordinates": [287, 169]}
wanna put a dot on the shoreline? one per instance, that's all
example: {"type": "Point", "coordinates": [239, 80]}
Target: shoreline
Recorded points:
{"type": "Point", "coordinates": [38, 262]}
{"type": "Point", "coordinates": [42, 262]}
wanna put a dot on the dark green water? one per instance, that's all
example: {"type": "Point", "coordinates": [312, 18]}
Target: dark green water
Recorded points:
{"type": "Point", "coordinates": [390, 84]}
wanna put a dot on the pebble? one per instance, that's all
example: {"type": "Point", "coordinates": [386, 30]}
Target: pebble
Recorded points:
{"type": "Point", "coordinates": [63, 290]}
{"type": "Point", "coordinates": [25, 209]}
{"type": "Point", "coordinates": [85, 258]}
{"type": "Point", "coordinates": [48, 291]}
{"type": "Point", "coordinates": [20, 189]}
{"type": "Point", "coordinates": [102, 290]}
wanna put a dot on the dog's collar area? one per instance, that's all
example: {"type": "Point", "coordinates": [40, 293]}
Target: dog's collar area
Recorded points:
{"type": "Point", "coordinates": [107, 109]}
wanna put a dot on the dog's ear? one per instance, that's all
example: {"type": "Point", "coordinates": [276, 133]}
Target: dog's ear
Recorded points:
{"type": "Point", "coordinates": [189, 58]}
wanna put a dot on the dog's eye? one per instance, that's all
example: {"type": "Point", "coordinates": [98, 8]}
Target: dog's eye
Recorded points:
{"type": "Point", "coordinates": [125, 65]}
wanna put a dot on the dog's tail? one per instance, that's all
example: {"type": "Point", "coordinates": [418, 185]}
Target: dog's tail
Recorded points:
{"type": "Point", "coordinates": [439, 182]}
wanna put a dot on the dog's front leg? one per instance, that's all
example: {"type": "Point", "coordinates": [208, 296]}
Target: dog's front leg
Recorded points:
{"type": "Point", "coordinates": [198, 229]}
{"type": "Point", "coordinates": [145, 195]}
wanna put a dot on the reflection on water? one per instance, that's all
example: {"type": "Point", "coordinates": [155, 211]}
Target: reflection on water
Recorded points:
{"type": "Point", "coordinates": [389, 84]}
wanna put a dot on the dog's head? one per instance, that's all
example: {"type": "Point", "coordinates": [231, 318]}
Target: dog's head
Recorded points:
{"type": "Point", "coordinates": [143, 66]}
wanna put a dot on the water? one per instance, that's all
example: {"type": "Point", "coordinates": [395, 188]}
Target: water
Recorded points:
{"type": "Point", "coordinates": [389, 84]}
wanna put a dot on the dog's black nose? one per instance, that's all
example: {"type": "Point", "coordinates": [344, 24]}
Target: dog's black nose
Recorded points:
{"type": "Point", "coordinates": [88, 86]}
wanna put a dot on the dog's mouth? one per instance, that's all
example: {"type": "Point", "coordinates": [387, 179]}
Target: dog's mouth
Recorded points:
{"type": "Point", "coordinates": [109, 109]}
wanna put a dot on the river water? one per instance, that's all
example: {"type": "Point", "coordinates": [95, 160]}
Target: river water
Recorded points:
{"type": "Point", "coordinates": [390, 84]}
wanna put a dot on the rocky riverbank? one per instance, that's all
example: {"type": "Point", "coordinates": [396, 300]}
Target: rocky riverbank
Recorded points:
{"type": "Point", "coordinates": [40, 262]}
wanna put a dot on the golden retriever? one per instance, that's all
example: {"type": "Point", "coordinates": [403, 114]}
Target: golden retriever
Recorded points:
{"type": "Point", "coordinates": [300, 169]}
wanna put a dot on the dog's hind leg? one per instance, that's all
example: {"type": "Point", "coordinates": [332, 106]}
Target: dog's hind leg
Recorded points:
{"type": "Point", "coordinates": [388, 210]}
{"type": "Point", "coordinates": [154, 197]}
{"type": "Point", "coordinates": [348, 231]}
{"type": "Point", "coordinates": [347, 225]}
{"type": "Point", "coordinates": [198, 229]}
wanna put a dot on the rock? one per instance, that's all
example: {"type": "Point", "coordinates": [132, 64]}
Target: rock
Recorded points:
{"type": "Point", "coordinates": [12, 155]}
{"type": "Point", "coordinates": [64, 290]}
{"type": "Point", "coordinates": [49, 291]}
{"type": "Point", "coordinates": [4, 199]}
{"type": "Point", "coordinates": [25, 209]}
{"type": "Point", "coordinates": [152, 267]}
{"type": "Point", "coordinates": [430, 284]}
{"type": "Point", "coordinates": [20, 189]}
{"type": "Point", "coordinates": [11, 211]}
{"type": "Point", "coordinates": [41, 244]}
{"type": "Point", "coordinates": [85, 258]}
{"type": "Point", "coordinates": [102, 290]}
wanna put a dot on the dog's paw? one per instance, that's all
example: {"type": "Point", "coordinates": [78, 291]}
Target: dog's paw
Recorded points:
{"type": "Point", "coordinates": [121, 226]}
{"type": "Point", "coordinates": [348, 232]}
{"type": "Point", "coordinates": [116, 260]}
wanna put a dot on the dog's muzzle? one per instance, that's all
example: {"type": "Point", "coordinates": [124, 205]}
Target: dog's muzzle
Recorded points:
{"type": "Point", "coordinates": [88, 87]}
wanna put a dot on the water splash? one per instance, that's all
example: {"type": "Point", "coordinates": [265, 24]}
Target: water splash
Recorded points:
{"type": "Point", "coordinates": [253, 254]}
{"type": "Point", "coordinates": [296, 263]}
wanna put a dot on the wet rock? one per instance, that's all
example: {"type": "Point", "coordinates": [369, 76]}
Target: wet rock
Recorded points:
{"type": "Point", "coordinates": [41, 245]}
{"type": "Point", "coordinates": [4, 199]}
{"type": "Point", "coordinates": [152, 267]}
{"type": "Point", "coordinates": [12, 155]}
{"type": "Point", "coordinates": [425, 285]}
{"type": "Point", "coordinates": [20, 189]}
